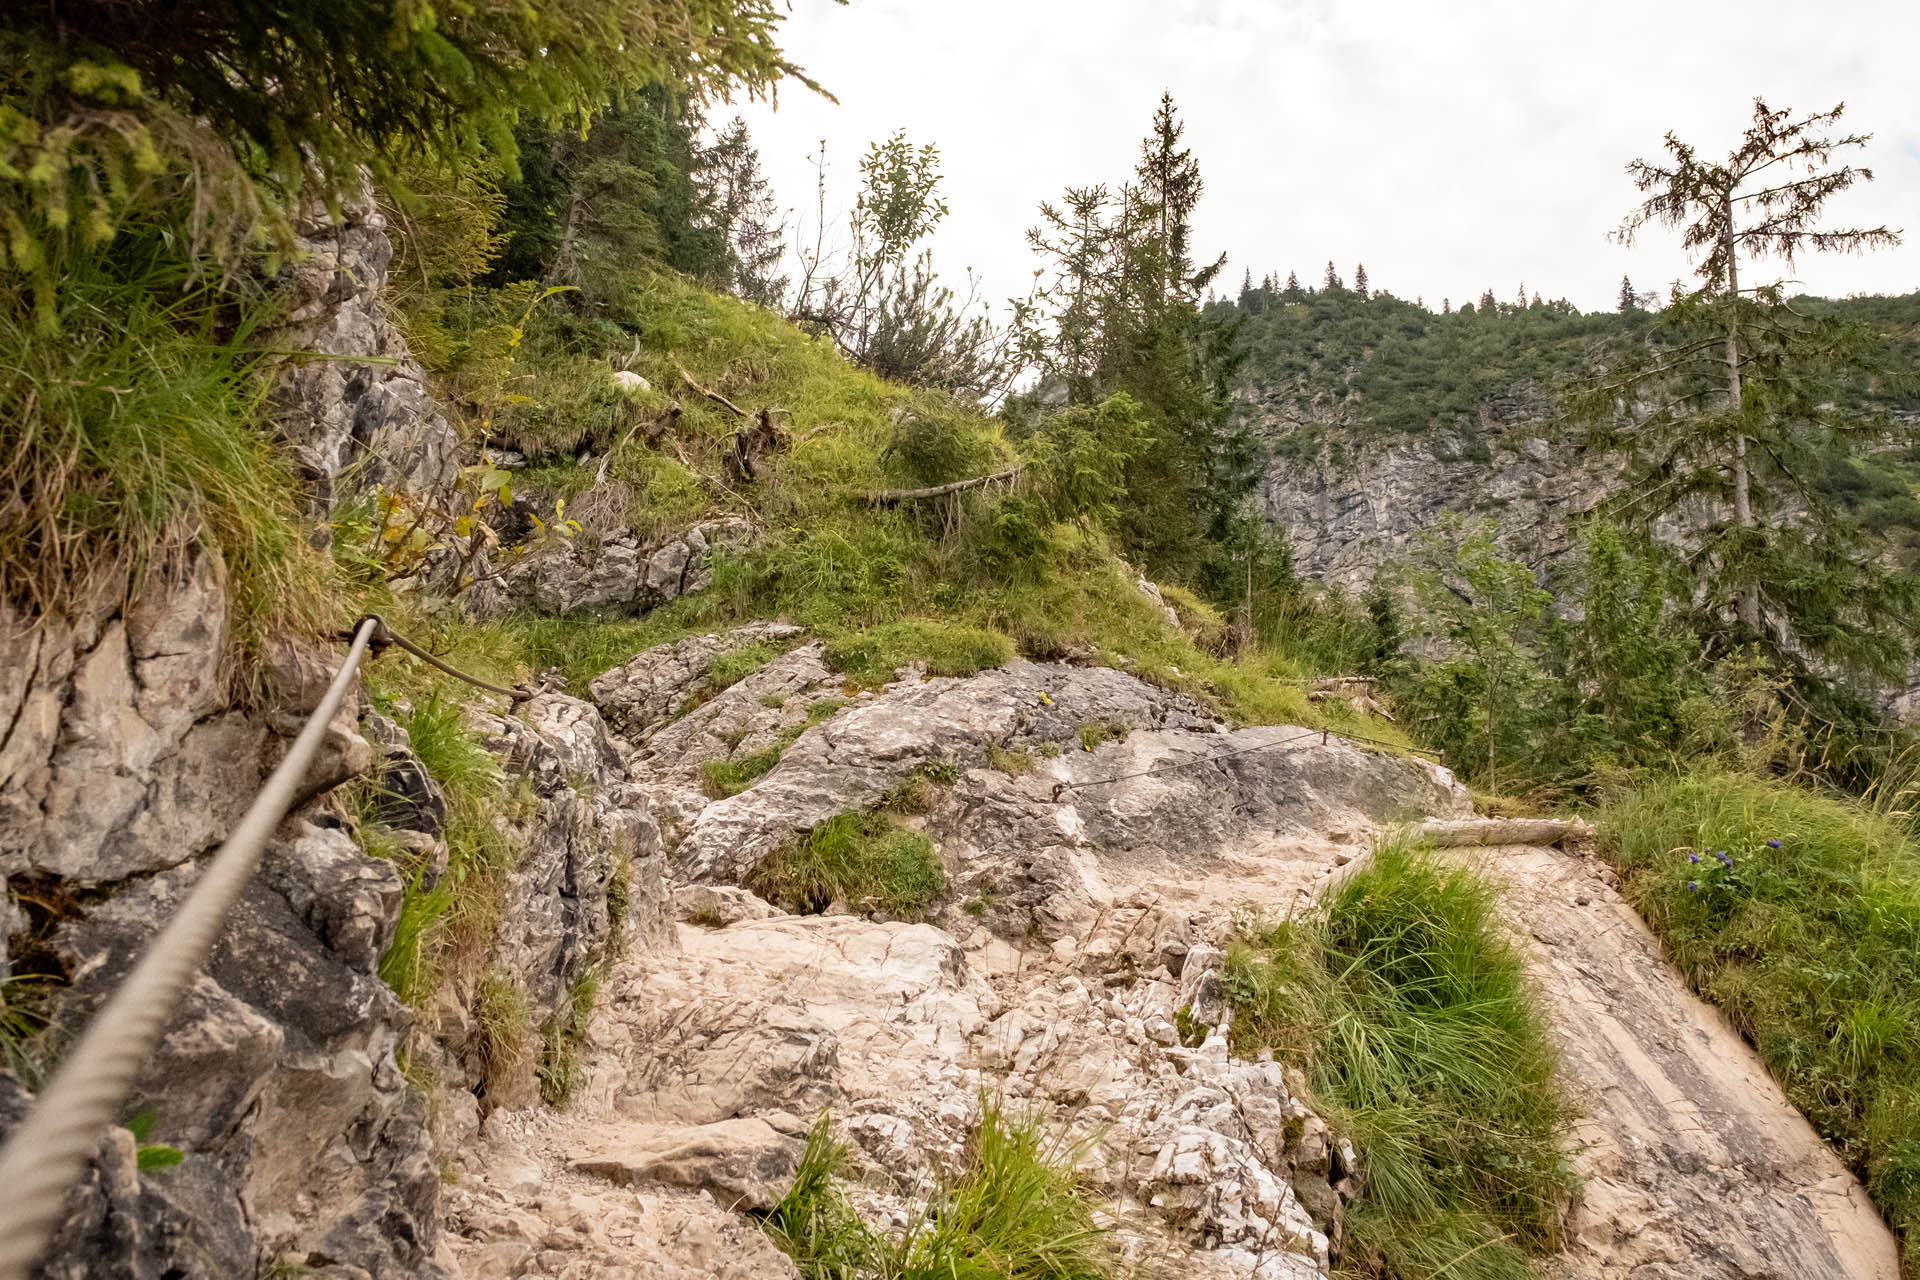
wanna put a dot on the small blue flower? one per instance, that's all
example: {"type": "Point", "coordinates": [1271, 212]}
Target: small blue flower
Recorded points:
{"type": "Point", "coordinates": [1694, 858]}
{"type": "Point", "coordinates": [1692, 885]}
{"type": "Point", "coordinates": [1773, 844]}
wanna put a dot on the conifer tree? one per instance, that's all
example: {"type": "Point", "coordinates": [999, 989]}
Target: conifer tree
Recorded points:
{"type": "Point", "coordinates": [1487, 305]}
{"type": "Point", "coordinates": [741, 205]}
{"type": "Point", "coordinates": [1360, 279]}
{"type": "Point", "coordinates": [1120, 311]}
{"type": "Point", "coordinates": [1744, 412]}
{"type": "Point", "coordinates": [1629, 300]}
{"type": "Point", "coordinates": [1293, 289]}
{"type": "Point", "coordinates": [1333, 277]}
{"type": "Point", "coordinates": [1446, 306]}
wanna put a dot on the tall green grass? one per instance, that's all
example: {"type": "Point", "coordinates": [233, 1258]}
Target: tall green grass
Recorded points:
{"type": "Point", "coordinates": [1013, 1210]}
{"type": "Point", "coordinates": [1412, 1016]}
{"type": "Point", "coordinates": [134, 431]}
{"type": "Point", "coordinates": [1801, 921]}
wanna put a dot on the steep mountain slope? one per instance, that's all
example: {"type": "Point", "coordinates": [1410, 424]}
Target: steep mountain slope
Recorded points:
{"type": "Point", "coordinates": [1380, 414]}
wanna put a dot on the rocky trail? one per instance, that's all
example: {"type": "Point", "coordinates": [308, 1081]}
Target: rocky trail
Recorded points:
{"type": "Point", "coordinates": [1083, 939]}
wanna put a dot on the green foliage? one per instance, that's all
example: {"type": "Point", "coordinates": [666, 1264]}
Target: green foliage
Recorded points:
{"type": "Point", "coordinates": [1096, 732]}
{"type": "Point", "coordinates": [813, 1224]}
{"type": "Point", "coordinates": [503, 1026]}
{"type": "Point", "coordinates": [110, 110]}
{"type": "Point", "coordinates": [150, 1156]}
{"type": "Point", "coordinates": [1411, 1012]}
{"type": "Point", "coordinates": [562, 1041]}
{"type": "Point", "coordinates": [1118, 310]}
{"type": "Point", "coordinates": [724, 778]}
{"type": "Point", "coordinates": [23, 1016]}
{"type": "Point", "coordinates": [862, 859]}
{"type": "Point", "coordinates": [873, 655]}
{"type": "Point", "coordinates": [1484, 610]}
{"type": "Point", "coordinates": [1014, 1210]}
{"type": "Point", "coordinates": [446, 923]}
{"type": "Point", "coordinates": [1745, 403]}
{"type": "Point", "coordinates": [1628, 664]}
{"type": "Point", "coordinates": [1798, 914]}
{"type": "Point", "coordinates": [134, 433]}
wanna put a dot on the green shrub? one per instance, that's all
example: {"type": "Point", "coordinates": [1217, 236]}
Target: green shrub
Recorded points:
{"type": "Point", "coordinates": [503, 1026]}
{"type": "Point", "coordinates": [1411, 1013]}
{"type": "Point", "coordinates": [872, 656]}
{"type": "Point", "coordinates": [1800, 919]}
{"type": "Point", "coordinates": [1015, 1212]}
{"type": "Point", "coordinates": [862, 859]}
{"type": "Point", "coordinates": [132, 433]}
{"type": "Point", "coordinates": [1095, 732]}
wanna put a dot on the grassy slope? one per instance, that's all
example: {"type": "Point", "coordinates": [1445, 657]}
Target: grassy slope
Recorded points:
{"type": "Point", "coordinates": [949, 585]}
{"type": "Point", "coordinates": [1811, 947]}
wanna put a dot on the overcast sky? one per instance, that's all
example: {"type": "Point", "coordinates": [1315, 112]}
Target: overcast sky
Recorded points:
{"type": "Point", "coordinates": [1449, 147]}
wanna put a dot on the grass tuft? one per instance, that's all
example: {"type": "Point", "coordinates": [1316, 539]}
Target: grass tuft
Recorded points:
{"type": "Point", "coordinates": [1412, 1015]}
{"type": "Point", "coordinates": [873, 656]}
{"type": "Point", "coordinates": [862, 859]}
{"type": "Point", "coordinates": [1014, 1210]}
{"type": "Point", "coordinates": [1811, 949]}
{"type": "Point", "coordinates": [561, 1069]}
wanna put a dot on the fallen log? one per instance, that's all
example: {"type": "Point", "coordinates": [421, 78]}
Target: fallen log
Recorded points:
{"type": "Point", "coordinates": [887, 497]}
{"type": "Point", "coordinates": [1459, 833]}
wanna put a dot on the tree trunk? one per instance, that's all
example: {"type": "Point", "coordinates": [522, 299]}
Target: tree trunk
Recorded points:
{"type": "Point", "coordinates": [1749, 601]}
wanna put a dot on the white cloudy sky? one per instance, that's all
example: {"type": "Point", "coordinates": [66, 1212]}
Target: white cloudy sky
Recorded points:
{"type": "Point", "coordinates": [1451, 147]}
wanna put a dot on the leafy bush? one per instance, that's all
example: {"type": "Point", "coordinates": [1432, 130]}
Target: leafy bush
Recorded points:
{"type": "Point", "coordinates": [1798, 914]}
{"type": "Point", "coordinates": [862, 859]}
{"type": "Point", "coordinates": [1412, 1015]}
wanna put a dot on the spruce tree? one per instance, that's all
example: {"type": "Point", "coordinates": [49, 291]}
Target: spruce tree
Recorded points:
{"type": "Point", "coordinates": [1293, 289]}
{"type": "Point", "coordinates": [1360, 279]}
{"type": "Point", "coordinates": [1120, 311]}
{"type": "Point", "coordinates": [1333, 277]}
{"type": "Point", "coordinates": [1743, 386]}
{"type": "Point", "coordinates": [1629, 300]}
{"type": "Point", "coordinates": [1487, 304]}
{"type": "Point", "coordinates": [740, 204]}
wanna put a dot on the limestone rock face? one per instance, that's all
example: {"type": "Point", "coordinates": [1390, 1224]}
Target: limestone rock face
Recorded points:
{"type": "Point", "coordinates": [275, 1076]}
{"type": "Point", "coordinates": [593, 831]}
{"type": "Point", "coordinates": [852, 759]}
{"type": "Point", "coordinates": [120, 750]}
{"type": "Point", "coordinates": [357, 411]}
{"type": "Point", "coordinates": [1346, 513]}
{"type": "Point", "coordinates": [745, 1163]}
{"type": "Point", "coordinates": [1692, 1160]}
{"type": "Point", "coordinates": [643, 694]}
{"type": "Point", "coordinates": [619, 573]}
